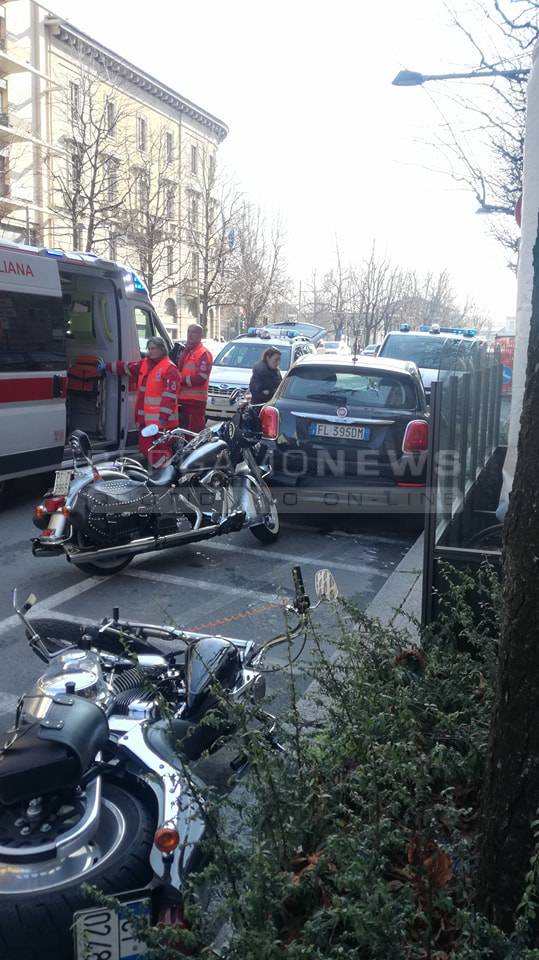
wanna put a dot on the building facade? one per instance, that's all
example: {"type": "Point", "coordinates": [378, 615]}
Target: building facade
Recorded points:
{"type": "Point", "coordinates": [96, 154]}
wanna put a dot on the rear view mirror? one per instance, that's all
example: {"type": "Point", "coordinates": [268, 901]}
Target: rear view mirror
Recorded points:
{"type": "Point", "coordinates": [150, 431]}
{"type": "Point", "coordinates": [325, 585]}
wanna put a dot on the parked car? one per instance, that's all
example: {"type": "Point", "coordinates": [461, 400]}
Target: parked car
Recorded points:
{"type": "Point", "coordinates": [232, 367]}
{"type": "Point", "coordinates": [335, 346]}
{"type": "Point", "coordinates": [427, 347]}
{"type": "Point", "coordinates": [370, 350]}
{"type": "Point", "coordinates": [296, 329]}
{"type": "Point", "coordinates": [340, 425]}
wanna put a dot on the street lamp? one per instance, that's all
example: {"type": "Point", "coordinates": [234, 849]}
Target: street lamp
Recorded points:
{"type": "Point", "coordinates": [410, 78]}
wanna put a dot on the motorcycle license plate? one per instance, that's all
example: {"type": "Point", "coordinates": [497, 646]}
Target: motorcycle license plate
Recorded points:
{"type": "Point", "coordinates": [101, 934]}
{"type": "Point", "coordinates": [62, 481]}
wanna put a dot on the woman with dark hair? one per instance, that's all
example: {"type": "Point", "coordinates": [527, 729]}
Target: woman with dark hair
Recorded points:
{"type": "Point", "coordinates": [266, 377]}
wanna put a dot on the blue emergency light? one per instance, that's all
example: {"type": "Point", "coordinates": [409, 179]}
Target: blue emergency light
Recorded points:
{"type": "Point", "coordinates": [424, 328]}
{"type": "Point", "coordinates": [251, 331]}
{"type": "Point", "coordinates": [404, 327]}
{"type": "Point", "coordinates": [55, 252]}
{"type": "Point", "coordinates": [137, 282]}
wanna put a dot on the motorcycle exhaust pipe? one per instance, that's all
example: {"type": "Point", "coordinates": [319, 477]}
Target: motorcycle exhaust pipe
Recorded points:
{"type": "Point", "coordinates": [140, 546]}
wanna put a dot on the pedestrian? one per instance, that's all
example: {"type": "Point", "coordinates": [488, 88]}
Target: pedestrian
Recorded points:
{"type": "Point", "coordinates": [194, 363]}
{"type": "Point", "coordinates": [157, 390]}
{"type": "Point", "coordinates": [266, 376]}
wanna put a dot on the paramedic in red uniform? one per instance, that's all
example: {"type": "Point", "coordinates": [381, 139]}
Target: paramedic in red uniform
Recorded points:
{"type": "Point", "coordinates": [194, 364]}
{"type": "Point", "coordinates": [157, 391]}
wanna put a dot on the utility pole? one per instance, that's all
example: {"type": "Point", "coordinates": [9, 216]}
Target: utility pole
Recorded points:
{"type": "Point", "coordinates": [299, 302]}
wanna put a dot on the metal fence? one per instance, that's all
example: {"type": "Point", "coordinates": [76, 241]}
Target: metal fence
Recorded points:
{"type": "Point", "coordinates": [464, 437]}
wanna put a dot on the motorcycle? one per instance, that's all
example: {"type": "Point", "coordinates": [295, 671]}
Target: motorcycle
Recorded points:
{"type": "Point", "coordinates": [93, 776]}
{"type": "Point", "coordinates": [100, 517]}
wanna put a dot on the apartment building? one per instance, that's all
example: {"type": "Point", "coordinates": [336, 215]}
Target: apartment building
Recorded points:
{"type": "Point", "coordinates": [97, 154]}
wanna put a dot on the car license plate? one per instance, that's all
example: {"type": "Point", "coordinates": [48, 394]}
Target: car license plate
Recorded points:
{"type": "Point", "coordinates": [62, 482]}
{"type": "Point", "coordinates": [102, 934]}
{"type": "Point", "coordinates": [340, 431]}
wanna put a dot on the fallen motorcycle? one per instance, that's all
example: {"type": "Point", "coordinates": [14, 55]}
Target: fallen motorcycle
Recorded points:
{"type": "Point", "coordinates": [93, 784]}
{"type": "Point", "coordinates": [101, 516]}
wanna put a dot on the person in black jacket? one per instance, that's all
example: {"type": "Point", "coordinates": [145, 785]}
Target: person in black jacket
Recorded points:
{"type": "Point", "coordinates": [266, 376]}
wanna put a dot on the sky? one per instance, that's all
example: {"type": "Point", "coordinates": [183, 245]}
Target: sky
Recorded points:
{"type": "Point", "coordinates": [318, 135]}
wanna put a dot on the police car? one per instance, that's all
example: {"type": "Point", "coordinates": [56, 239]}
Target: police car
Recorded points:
{"type": "Point", "coordinates": [233, 366]}
{"type": "Point", "coordinates": [429, 347]}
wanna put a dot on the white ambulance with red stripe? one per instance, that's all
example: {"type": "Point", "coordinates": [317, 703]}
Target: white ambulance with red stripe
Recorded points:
{"type": "Point", "coordinates": [58, 312]}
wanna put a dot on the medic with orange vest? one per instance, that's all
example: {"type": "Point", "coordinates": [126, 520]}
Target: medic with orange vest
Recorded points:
{"type": "Point", "coordinates": [157, 391]}
{"type": "Point", "coordinates": [194, 364]}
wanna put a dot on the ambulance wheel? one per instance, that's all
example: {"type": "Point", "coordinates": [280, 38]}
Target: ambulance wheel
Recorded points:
{"type": "Point", "coordinates": [103, 568]}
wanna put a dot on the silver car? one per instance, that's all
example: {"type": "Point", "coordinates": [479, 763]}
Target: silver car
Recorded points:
{"type": "Point", "coordinates": [233, 366]}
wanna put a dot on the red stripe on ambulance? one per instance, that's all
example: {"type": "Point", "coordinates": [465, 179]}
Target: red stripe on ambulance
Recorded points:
{"type": "Point", "coordinates": [21, 389]}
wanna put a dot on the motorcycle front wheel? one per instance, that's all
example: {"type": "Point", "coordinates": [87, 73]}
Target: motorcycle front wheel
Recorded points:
{"type": "Point", "coordinates": [37, 900]}
{"type": "Point", "coordinates": [268, 530]}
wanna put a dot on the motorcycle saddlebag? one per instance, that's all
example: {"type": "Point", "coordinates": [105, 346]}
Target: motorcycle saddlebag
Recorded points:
{"type": "Point", "coordinates": [51, 754]}
{"type": "Point", "coordinates": [112, 510]}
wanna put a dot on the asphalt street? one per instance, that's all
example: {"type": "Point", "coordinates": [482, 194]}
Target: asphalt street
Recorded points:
{"type": "Point", "coordinates": [233, 586]}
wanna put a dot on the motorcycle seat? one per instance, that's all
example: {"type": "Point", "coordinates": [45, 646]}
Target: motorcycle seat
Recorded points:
{"type": "Point", "coordinates": [164, 477]}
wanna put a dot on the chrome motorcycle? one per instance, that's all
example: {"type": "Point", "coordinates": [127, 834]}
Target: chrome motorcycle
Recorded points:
{"type": "Point", "coordinates": [101, 516]}
{"type": "Point", "coordinates": [96, 785]}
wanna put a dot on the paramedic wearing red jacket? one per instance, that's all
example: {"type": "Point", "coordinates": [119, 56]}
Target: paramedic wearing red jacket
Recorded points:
{"type": "Point", "coordinates": [157, 389]}
{"type": "Point", "coordinates": [194, 364]}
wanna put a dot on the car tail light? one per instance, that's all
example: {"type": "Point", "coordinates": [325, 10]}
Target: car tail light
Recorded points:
{"type": "Point", "coordinates": [269, 419]}
{"type": "Point", "coordinates": [416, 437]}
{"type": "Point", "coordinates": [53, 503]}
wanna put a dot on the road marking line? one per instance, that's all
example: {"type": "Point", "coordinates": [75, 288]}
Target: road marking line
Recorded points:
{"type": "Point", "coordinates": [291, 558]}
{"type": "Point", "coordinates": [7, 702]}
{"type": "Point", "coordinates": [55, 600]}
{"type": "Point", "coordinates": [199, 584]}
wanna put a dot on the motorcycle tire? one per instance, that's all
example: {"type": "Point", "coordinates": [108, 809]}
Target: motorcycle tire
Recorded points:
{"type": "Point", "coordinates": [37, 926]}
{"type": "Point", "coordinates": [103, 568]}
{"type": "Point", "coordinates": [268, 531]}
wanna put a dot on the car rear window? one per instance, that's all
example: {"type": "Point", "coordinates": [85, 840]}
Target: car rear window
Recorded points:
{"type": "Point", "coordinates": [349, 387]}
{"type": "Point", "coordinates": [244, 355]}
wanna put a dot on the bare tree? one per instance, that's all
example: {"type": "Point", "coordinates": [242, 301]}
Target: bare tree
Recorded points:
{"type": "Point", "coordinates": [260, 277]}
{"type": "Point", "coordinates": [481, 132]}
{"type": "Point", "coordinates": [89, 180]}
{"type": "Point", "coordinates": [150, 219]}
{"type": "Point", "coordinates": [336, 294]}
{"type": "Point", "coordinates": [209, 230]}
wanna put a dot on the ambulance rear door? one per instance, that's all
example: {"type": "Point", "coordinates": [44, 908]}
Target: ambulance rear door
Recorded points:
{"type": "Point", "coordinates": [33, 373]}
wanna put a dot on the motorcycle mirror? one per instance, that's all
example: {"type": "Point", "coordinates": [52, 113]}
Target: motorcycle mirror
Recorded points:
{"type": "Point", "coordinates": [325, 585]}
{"type": "Point", "coordinates": [150, 431]}
{"type": "Point", "coordinates": [27, 605]}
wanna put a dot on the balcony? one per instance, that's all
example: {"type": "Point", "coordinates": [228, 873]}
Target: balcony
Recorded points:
{"type": "Point", "coordinates": [15, 204]}
{"type": "Point", "coordinates": [10, 65]}
{"type": "Point", "coordinates": [11, 134]}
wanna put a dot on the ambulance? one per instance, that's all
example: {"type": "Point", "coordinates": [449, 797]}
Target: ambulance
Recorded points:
{"type": "Point", "coordinates": [59, 312]}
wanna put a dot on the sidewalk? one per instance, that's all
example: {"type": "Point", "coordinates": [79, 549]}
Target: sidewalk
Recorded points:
{"type": "Point", "coordinates": [400, 597]}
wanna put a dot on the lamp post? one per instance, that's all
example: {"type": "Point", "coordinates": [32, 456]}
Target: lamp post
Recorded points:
{"type": "Point", "coordinates": [410, 78]}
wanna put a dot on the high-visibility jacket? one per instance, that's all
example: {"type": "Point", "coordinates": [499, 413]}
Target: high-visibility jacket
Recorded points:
{"type": "Point", "coordinates": [157, 390]}
{"type": "Point", "coordinates": [195, 367]}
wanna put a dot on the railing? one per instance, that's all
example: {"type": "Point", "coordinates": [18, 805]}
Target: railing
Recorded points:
{"type": "Point", "coordinates": [465, 423]}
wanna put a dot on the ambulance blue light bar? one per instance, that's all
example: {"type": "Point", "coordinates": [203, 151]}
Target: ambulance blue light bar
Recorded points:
{"type": "Point", "coordinates": [55, 252]}
{"type": "Point", "coordinates": [405, 327]}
